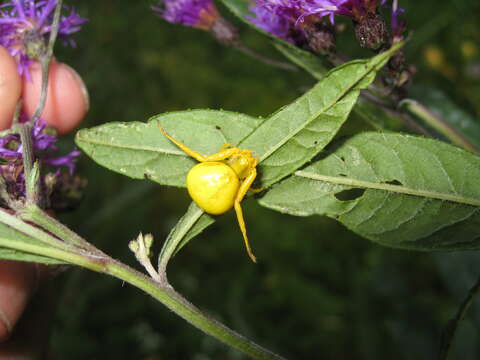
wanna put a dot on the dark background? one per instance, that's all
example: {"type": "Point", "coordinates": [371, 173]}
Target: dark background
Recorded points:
{"type": "Point", "coordinates": [319, 291]}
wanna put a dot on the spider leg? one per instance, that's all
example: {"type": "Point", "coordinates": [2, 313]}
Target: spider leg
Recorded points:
{"type": "Point", "coordinates": [238, 210]}
{"type": "Point", "coordinates": [196, 155]}
{"type": "Point", "coordinates": [223, 154]}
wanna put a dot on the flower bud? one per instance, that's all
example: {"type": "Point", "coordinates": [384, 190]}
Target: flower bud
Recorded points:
{"type": "Point", "coordinates": [371, 32]}
{"type": "Point", "coordinates": [320, 37]}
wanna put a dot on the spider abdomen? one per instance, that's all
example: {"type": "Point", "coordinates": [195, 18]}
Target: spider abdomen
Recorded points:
{"type": "Point", "coordinates": [213, 186]}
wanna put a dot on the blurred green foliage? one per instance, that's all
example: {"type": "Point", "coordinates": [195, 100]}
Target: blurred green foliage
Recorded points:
{"type": "Point", "coordinates": [319, 291]}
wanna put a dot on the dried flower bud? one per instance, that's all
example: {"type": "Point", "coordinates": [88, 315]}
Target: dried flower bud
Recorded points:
{"type": "Point", "coordinates": [320, 37]}
{"type": "Point", "coordinates": [371, 32]}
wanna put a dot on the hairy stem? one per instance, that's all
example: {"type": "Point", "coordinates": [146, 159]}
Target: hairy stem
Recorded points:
{"type": "Point", "coordinates": [45, 61]}
{"type": "Point", "coordinates": [25, 130]}
{"type": "Point", "coordinates": [34, 214]}
{"type": "Point", "coordinates": [32, 231]}
{"type": "Point", "coordinates": [161, 291]}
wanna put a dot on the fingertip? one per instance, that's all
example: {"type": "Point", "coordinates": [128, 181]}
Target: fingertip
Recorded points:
{"type": "Point", "coordinates": [67, 98]}
{"type": "Point", "coordinates": [17, 283]}
{"type": "Point", "coordinates": [10, 88]}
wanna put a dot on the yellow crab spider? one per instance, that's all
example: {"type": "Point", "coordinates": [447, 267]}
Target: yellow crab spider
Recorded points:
{"type": "Point", "coordinates": [221, 180]}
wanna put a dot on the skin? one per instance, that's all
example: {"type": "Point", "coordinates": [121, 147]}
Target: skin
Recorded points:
{"type": "Point", "coordinates": [10, 87]}
{"type": "Point", "coordinates": [67, 99]}
{"type": "Point", "coordinates": [19, 282]}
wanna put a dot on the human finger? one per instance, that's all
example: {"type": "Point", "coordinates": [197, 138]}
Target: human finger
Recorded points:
{"type": "Point", "coordinates": [17, 283]}
{"type": "Point", "coordinates": [67, 97]}
{"type": "Point", "coordinates": [10, 88]}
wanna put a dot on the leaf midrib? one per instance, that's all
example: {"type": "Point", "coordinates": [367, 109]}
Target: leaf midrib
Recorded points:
{"type": "Point", "coordinates": [348, 89]}
{"type": "Point", "coordinates": [292, 134]}
{"type": "Point", "coordinates": [129, 147]}
{"type": "Point", "coordinates": [388, 187]}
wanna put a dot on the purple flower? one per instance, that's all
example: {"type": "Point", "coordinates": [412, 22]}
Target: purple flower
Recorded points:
{"type": "Point", "coordinates": [44, 148]}
{"type": "Point", "coordinates": [398, 26]}
{"type": "Point", "coordinates": [26, 24]}
{"type": "Point", "coordinates": [355, 9]}
{"type": "Point", "coordinates": [277, 17]}
{"type": "Point", "coordinates": [194, 13]}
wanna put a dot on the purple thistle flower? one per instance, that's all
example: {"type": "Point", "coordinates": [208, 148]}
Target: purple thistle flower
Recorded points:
{"type": "Point", "coordinates": [398, 26]}
{"type": "Point", "coordinates": [355, 9]}
{"type": "Point", "coordinates": [277, 17]}
{"type": "Point", "coordinates": [25, 26]}
{"type": "Point", "coordinates": [200, 14]}
{"type": "Point", "coordinates": [323, 8]}
{"type": "Point", "coordinates": [44, 148]}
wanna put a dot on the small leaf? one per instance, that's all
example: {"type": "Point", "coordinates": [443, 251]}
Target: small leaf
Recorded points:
{"type": "Point", "coordinates": [306, 60]}
{"type": "Point", "coordinates": [401, 191]}
{"type": "Point", "coordinates": [296, 133]}
{"type": "Point", "coordinates": [189, 226]}
{"type": "Point", "coordinates": [14, 236]}
{"type": "Point", "coordinates": [9, 254]}
{"type": "Point", "coordinates": [139, 150]}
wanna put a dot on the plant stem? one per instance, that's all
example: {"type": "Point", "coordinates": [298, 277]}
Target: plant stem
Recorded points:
{"type": "Point", "coordinates": [32, 231]}
{"type": "Point", "coordinates": [36, 215]}
{"type": "Point", "coordinates": [45, 62]}
{"type": "Point", "coordinates": [266, 60]}
{"type": "Point", "coordinates": [178, 233]}
{"type": "Point", "coordinates": [25, 131]}
{"type": "Point", "coordinates": [161, 291]}
{"type": "Point", "coordinates": [178, 304]}
{"type": "Point", "coordinates": [438, 124]}
{"type": "Point", "coordinates": [452, 326]}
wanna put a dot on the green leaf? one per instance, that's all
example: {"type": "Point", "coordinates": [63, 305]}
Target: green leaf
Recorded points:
{"type": "Point", "coordinates": [306, 60]}
{"type": "Point", "coordinates": [18, 237]}
{"type": "Point", "coordinates": [189, 226]}
{"type": "Point", "coordinates": [10, 254]}
{"type": "Point", "coordinates": [398, 190]}
{"type": "Point", "coordinates": [374, 117]}
{"type": "Point", "coordinates": [296, 133]}
{"type": "Point", "coordinates": [284, 142]}
{"type": "Point", "coordinates": [139, 150]}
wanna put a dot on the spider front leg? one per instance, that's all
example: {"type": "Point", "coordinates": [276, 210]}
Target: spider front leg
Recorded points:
{"type": "Point", "coordinates": [244, 187]}
{"type": "Point", "coordinates": [223, 154]}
